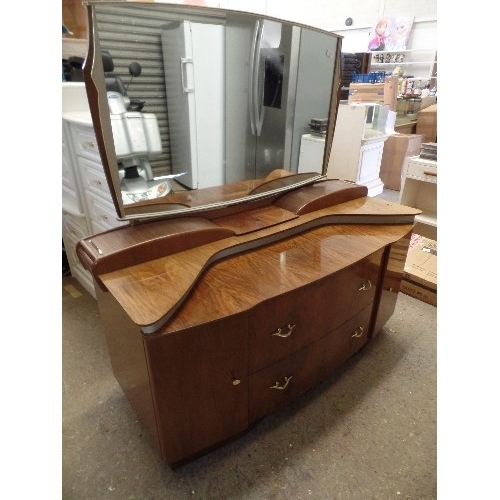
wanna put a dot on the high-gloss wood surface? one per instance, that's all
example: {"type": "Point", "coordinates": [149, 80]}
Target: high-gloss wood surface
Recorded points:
{"type": "Point", "coordinates": [248, 319]}
{"type": "Point", "coordinates": [130, 245]}
{"type": "Point", "coordinates": [253, 220]}
{"type": "Point", "coordinates": [128, 361]}
{"type": "Point", "coordinates": [206, 375]}
{"type": "Point", "coordinates": [336, 298]}
{"type": "Point", "coordinates": [306, 367]}
{"type": "Point", "coordinates": [320, 195]}
{"type": "Point", "coordinates": [280, 268]}
{"type": "Point", "coordinates": [152, 291]}
{"type": "Point", "coordinates": [200, 385]}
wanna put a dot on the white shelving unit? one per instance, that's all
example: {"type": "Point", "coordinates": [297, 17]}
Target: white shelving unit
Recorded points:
{"type": "Point", "coordinates": [420, 64]}
{"type": "Point", "coordinates": [419, 190]}
{"type": "Point", "coordinates": [87, 206]}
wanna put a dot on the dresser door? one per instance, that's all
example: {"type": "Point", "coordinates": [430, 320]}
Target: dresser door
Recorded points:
{"type": "Point", "coordinates": [199, 384]}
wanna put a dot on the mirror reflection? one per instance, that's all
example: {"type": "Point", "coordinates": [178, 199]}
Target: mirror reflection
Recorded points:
{"type": "Point", "coordinates": [193, 98]}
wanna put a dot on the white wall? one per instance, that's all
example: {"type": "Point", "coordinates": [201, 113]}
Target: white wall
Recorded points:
{"type": "Point", "coordinates": [331, 15]}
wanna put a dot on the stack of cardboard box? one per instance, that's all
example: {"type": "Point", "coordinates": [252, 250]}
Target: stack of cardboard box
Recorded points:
{"type": "Point", "coordinates": [397, 149]}
{"type": "Point", "coordinates": [427, 123]}
{"type": "Point", "coordinates": [420, 271]}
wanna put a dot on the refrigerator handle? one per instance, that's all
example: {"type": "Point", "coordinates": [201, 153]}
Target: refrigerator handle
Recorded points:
{"type": "Point", "coordinates": [184, 76]}
{"type": "Point", "coordinates": [257, 97]}
{"type": "Point", "coordinates": [251, 78]}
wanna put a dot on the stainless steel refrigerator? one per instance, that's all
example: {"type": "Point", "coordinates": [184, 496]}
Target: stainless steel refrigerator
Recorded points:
{"type": "Point", "coordinates": [278, 78]}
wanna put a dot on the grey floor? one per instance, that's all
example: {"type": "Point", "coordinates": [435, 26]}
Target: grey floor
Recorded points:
{"type": "Point", "coordinates": [366, 432]}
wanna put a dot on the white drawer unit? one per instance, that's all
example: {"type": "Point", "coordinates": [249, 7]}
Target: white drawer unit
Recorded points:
{"type": "Point", "coordinates": [419, 190]}
{"type": "Point", "coordinates": [87, 204]}
{"type": "Point", "coordinates": [93, 178]}
{"type": "Point", "coordinates": [74, 229]}
{"type": "Point", "coordinates": [84, 142]}
{"type": "Point", "coordinates": [422, 170]}
{"type": "Point", "coordinates": [101, 212]}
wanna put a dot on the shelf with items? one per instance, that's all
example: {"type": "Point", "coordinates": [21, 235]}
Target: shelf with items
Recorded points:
{"type": "Point", "coordinates": [415, 64]}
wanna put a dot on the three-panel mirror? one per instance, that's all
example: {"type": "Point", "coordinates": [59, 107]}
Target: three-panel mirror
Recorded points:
{"type": "Point", "coordinates": [186, 100]}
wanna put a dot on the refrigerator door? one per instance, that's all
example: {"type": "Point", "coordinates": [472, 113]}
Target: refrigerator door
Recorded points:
{"type": "Point", "coordinates": [315, 64]}
{"type": "Point", "coordinates": [283, 80]}
{"type": "Point", "coordinates": [272, 96]}
{"type": "Point", "coordinates": [258, 51]}
{"type": "Point", "coordinates": [195, 102]}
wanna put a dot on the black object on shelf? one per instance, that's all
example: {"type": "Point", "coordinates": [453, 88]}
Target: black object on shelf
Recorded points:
{"type": "Point", "coordinates": [352, 64]}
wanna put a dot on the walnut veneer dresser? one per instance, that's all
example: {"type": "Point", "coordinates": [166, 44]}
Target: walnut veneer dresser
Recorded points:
{"type": "Point", "coordinates": [214, 322]}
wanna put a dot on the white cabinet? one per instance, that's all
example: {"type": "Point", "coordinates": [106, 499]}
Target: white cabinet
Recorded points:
{"type": "Point", "coordinates": [358, 144]}
{"type": "Point", "coordinates": [312, 150]}
{"type": "Point", "coordinates": [87, 207]}
{"type": "Point", "coordinates": [419, 190]}
{"type": "Point", "coordinates": [418, 64]}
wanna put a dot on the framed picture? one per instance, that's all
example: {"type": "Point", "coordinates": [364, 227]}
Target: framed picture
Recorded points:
{"type": "Point", "coordinates": [390, 33]}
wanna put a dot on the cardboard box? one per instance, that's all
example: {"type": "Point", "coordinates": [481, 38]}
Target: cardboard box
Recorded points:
{"type": "Point", "coordinates": [420, 271]}
{"type": "Point", "coordinates": [397, 148]}
{"type": "Point", "coordinates": [382, 93]}
{"type": "Point", "coordinates": [427, 123]}
{"type": "Point", "coordinates": [366, 92]}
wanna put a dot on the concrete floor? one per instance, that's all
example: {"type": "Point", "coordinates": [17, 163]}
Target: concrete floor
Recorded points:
{"type": "Point", "coordinates": [367, 432]}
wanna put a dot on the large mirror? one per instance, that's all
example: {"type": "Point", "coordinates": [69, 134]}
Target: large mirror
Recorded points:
{"type": "Point", "coordinates": [195, 106]}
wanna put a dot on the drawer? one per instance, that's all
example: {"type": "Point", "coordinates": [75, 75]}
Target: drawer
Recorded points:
{"type": "Point", "coordinates": [77, 270]}
{"type": "Point", "coordinates": [67, 169]}
{"type": "Point", "coordinates": [283, 381]}
{"type": "Point", "coordinates": [422, 171]}
{"type": "Point", "coordinates": [71, 201]}
{"type": "Point", "coordinates": [102, 212]}
{"type": "Point", "coordinates": [286, 324]}
{"type": "Point", "coordinates": [75, 227]}
{"type": "Point", "coordinates": [84, 142]}
{"type": "Point", "coordinates": [93, 178]}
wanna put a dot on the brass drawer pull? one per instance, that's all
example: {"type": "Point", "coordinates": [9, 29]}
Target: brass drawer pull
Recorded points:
{"type": "Point", "coordinates": [282, 387]}
{"type": "Point", "coordinates": [99, 251]}
{"type": "Point", "coordinates": [430, 172]}
{"type": "Point", "coordinates": [358, 332]}
{"type": "Point", "coordinates": [278, 333]}
{"type": "Point", "coordinates": [365, 286]}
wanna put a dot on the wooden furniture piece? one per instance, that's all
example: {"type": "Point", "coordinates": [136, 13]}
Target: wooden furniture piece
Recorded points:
{"type": "Point", "coordinates": [427, 123]}
{"type": "Point", "coordinates": [213, 322]}
{"type": "Point", "coordinates": [223, 303]}
{"type": "Point", "coordinates": [397, 149]}
{"type": "Point", "coordinates": [404, 126]}
{"type": "Point", "coordinates": [419, 190]}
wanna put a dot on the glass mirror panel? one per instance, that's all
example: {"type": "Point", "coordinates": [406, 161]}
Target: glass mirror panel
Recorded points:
{"type": "Point", "coordinates": [187, 101]}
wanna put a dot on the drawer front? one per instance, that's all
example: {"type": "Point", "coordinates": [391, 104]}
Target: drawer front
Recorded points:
{"type": "Point", "coordinates": [281, 382]}
{"type": "Point", "coordinates": [102, 212]}
{"type": "Point", "coordinates": [93, 178]}
{"type": "Point", "coordinates": [75, 227]}
{"type": "Point", "coordinates": [77, 270]}
{"type": "Point", "coordinates": [70, 200]}
{"type": "Point", "coordinates": [67, 171]}
{"type": "Point", "coordinates": [286, 324]}
{"type": "Point", "coordinates": [85, 142]}
{"type": "Point", "coordinates": [422, 171]}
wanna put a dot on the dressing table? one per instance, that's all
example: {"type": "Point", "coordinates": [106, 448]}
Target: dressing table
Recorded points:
{"type": "Point", "coordinates": [222, 304]}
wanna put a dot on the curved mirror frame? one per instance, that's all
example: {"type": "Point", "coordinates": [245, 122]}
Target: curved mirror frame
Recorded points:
{"type": "Point", "coordinates": [291, 89]}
